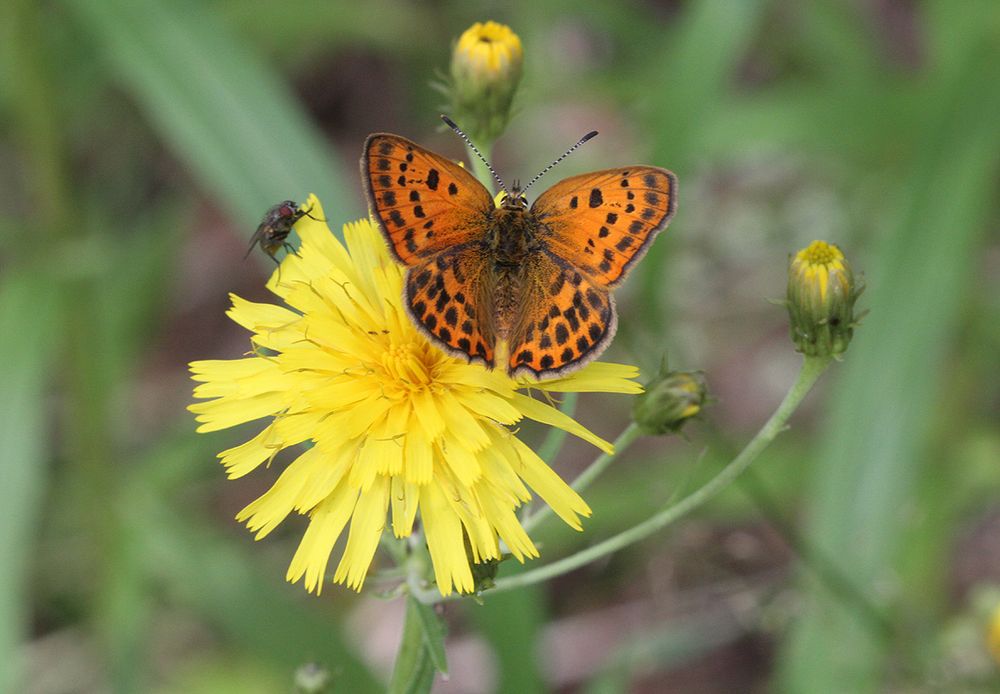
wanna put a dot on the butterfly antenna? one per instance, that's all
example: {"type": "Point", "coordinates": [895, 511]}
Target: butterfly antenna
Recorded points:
{"type": "Point", "coordinates": [451, 124]}
{"type": "Point", "coordinates": [589, 136]}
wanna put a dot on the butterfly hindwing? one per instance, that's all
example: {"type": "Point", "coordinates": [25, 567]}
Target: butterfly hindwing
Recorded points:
{"type": "Point", "coordinates": [424, 203]}
{"type": "Point", "coordinates": [568, 319]}
{"type": "Point", "coordinates": [450, 298]}
{"type": "Point", "coordinates": [603, 222]}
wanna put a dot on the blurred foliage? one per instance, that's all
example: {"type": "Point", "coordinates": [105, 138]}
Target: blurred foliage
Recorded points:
{"type": "Point", "coordinates": [141, 141]}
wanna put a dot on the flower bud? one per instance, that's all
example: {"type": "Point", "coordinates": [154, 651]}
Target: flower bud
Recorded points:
{"type": "Point", "coordinates": [670, 399]}
{"type": "Point", "coordinates": [821, 297]}
{"type": "Point", "coordinates": [485, 71]}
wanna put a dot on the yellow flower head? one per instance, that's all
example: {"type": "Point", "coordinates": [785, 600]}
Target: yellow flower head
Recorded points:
{"type": "Point", "coordinates": [394, 427]}
{"type": "Point", "coordinates": [486, 67]}
{"type": "Point", "coordinates": [821, 297]}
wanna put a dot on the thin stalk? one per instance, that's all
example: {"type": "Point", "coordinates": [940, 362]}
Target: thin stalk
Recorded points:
{"type": "Point", "coordinates": [593, 471]}
{"type": "Point", "coordinates": [812, 369]}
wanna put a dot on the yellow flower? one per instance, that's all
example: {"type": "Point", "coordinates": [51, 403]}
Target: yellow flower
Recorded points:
{"type": "Point", "coordinates": [486, 69]}
{"type": "Point", "coordinates": [395, 427]}
{"type": "Point", "coordinates": [821, 297]}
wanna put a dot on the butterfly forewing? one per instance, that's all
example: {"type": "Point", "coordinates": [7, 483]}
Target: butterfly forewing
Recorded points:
{"type": "Point", "coordinates": [603, 222]}
{"type": "Point", "coordinates": [423, 202]}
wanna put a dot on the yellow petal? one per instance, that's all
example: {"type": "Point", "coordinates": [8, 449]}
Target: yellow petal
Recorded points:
{"type": "Point", "coordinates": [444, 540]}
{"type": "Point", "coordinates": [566, 503]}
{"type": "Point", "coordinates": [225, 413]}
{"type": "Point", "coordinates": [595, 377]}
{"type": "Point", "coordinates": [265, 513]}
{"type": "Point", "coordinates": [418, 456]}
{"type": "Point", "coordinates": [325, 526]}
{"type": "Point", "coordinates": [405, 500]}
{"type": "Point", "coordinates": [540, 412]}
{"type": "Point", "coordinates": [367, 524]}
{"type": "Point", "coordinates": [509, 528]}
{"type": "Point", "coordinates": [246, 457]}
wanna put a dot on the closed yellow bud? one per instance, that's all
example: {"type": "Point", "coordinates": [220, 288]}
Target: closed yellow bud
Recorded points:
{"type": "Point", "coordinates": [821, 296]}
{"type": "Point", "coordinates": [485, 72]}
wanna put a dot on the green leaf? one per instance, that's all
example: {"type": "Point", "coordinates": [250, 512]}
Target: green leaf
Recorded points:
{"type": "Point", "coordinates": [220, 107]}
{"type": "Point", "coordinates": [433, 632]}
{"type": "Point", "coordinates": [28, 322]}
{"type": "Point", "coordinates": [413, 672]}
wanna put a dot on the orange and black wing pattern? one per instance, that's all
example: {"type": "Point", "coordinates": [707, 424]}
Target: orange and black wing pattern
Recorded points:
{"type": "Point", "coordinates": [567, 320]}
{"type": "Point", "coordinates": [603, 222]}
{"type": "Point", "coordinates": [450, 298]}
{"type": "Point", "coordinates": [423, 202]}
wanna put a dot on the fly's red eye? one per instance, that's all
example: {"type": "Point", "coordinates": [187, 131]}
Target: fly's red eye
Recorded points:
{"type": "Point", "coordinates": [286, 211]}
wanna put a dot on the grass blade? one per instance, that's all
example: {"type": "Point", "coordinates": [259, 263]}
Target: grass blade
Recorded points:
{"type": "Point", "coordinates": [216, 103]}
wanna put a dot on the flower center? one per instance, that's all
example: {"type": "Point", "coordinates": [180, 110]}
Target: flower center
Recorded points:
{"type": "Point", "coordinates": [403, 365]}
{"type": "Point", "coordinates": [821, 253]}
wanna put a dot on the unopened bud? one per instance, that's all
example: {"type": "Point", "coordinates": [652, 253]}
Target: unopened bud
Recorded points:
{"type": "Point", "coordinates": [821, 297]}
{"type": "Point", "coordinates": [485, 72]}
{"type": "Point", "coordinates": [671, 398]}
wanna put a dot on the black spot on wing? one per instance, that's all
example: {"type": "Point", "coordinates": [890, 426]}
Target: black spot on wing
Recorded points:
{"type": "Point", "coordinates": [562, 334]}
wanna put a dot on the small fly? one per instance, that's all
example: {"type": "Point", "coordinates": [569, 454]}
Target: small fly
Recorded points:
{"type": "Point", "coordinates": [272, 233]}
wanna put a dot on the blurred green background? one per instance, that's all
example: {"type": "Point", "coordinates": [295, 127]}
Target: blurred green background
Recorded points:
{"type": "Point", "coordinates": [141, 142]}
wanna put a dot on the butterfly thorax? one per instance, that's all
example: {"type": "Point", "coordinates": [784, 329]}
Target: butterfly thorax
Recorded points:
{"type": "Point", "coordinates": [512, 236]}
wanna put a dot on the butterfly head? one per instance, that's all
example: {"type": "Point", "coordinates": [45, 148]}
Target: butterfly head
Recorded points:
{"type": "Point", "coordinates": [514, 200]}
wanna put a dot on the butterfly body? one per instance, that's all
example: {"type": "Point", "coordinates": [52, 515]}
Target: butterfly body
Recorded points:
{"type": "Point", "coordinates": [519, 287]}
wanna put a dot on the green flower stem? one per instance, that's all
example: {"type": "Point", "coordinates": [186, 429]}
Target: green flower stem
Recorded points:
{"type": "Point", "coordinates": [413, 672]}
{"type": "Point", "coordinates": [812, 369]}
{"type": "Point", "coordinates": [600, 464]}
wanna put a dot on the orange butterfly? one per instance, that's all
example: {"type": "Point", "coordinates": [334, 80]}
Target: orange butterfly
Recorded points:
{"type": "Point", "coordinates": [524, 288]}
